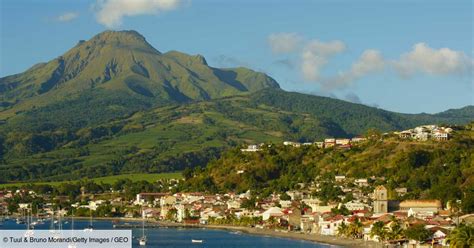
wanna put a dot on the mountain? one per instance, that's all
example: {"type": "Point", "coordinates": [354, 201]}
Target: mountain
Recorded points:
{"type": "Point", "coordinates": [114, 104]}
{"type": "Point", "coordinates": [122, 69]}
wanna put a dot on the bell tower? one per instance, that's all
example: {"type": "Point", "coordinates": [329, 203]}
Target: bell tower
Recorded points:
{"type": "Point", "coordinates": [380, 200]}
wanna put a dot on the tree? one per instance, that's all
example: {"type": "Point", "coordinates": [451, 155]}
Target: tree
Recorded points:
{"type": "Point", "coordinates": [378, 229]}
{"type": "Point", "coordinates": [468, 202]}
{"type": "Point", "coordinates": [171, 215]}
{"type": "Point", "coordinates": [462, 237]}
{"type": "Point", "coordinates": [418, 232]}
{"type": "Point", "coordinates": [341, 210]}
{"type": "Point", "coordinates": [342, 230]}
{"type": "Point", "coordinates": [187, 173]}
{"type": "Point", "coordinates": [355, 229]}
{"type": "Point", "coordinates": [396, 230]}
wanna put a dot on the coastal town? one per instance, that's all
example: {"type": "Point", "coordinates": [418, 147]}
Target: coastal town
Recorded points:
{"type": "Point", "coordinates": [365, 209]}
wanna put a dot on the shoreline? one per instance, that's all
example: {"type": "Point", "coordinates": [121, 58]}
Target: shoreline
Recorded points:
{"type": "Point", "coordinates": [311, 237]}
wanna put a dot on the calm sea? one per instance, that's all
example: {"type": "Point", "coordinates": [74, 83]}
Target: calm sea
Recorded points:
{"type": "Point", "coordinates": [180, 237]}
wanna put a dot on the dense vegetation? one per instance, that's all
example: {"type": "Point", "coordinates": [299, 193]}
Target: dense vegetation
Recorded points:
{"type": "Point", "coordinates": [114, 104]}
{"type": "Point", "coordinates": [439, 170]}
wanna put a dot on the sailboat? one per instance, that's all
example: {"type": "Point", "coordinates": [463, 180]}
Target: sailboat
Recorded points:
{"type": "Point", "coordinates": [89, 228]}
{"type": "Point", "coordinates": [29, 232]}
{"type": "Point", "coordinates": [142, 240]}
{"type": "Point", "coordinates": [52, 227]}
{"type": "Point", "coordinates": [72, 245]}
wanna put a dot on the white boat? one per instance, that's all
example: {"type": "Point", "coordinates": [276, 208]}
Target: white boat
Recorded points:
{"type": "Point", "coordinates": [90, 227]}
{"type": "Point", "coordinates": [197, 240]}
{"type": "Point", "coordinates": [142, 240]}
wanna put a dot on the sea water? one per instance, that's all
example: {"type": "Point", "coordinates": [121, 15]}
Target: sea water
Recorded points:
{"type": "Point", "coordinates": [181, 237]}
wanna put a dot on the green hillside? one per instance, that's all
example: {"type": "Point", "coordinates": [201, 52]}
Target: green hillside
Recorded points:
{"type": "Point", "coordinates": [429, 170]}
{"type": "Point", "coordinates": [177, 136]}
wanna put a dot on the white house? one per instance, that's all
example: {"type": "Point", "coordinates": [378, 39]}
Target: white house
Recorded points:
{"type": "Point", "coordinates": [272, 212]}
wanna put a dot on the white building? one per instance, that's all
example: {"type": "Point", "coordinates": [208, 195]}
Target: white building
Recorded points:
{"type": "Point", "coordinates": [272, 212]}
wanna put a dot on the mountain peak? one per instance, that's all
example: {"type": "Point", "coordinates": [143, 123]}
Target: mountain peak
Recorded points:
{"type": "Point", "coordinates": [123, 34]}
{"type": "Point", "coordinates": [129, 39]}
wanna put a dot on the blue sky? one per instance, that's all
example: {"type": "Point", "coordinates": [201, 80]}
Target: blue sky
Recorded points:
{"type": "Point", "coordinates": [404, 56]}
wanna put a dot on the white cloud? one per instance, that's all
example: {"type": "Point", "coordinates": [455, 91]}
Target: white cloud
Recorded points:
{"type": "Point", "coordinates": [315, 56]}
{"type": "Point", "coordinates": [69, 16]}
{"type": "Point", "coordinates": [111, 12]}
{"type": "Point", "coordinates": [284, 42]}
{"type": "Point", "coordinates": [370, 61]}
{"type": "Point", "coordinates": [424, 59]}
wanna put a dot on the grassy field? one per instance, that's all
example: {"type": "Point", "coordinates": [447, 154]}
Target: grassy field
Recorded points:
{"type": "Point", "coordinates": [110, 179]}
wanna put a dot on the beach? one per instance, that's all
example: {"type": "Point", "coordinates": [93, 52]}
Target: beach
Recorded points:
{"type": "Point", "coordinates": [331, 240]}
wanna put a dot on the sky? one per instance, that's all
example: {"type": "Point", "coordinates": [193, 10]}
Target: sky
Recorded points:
{"type": "Point", "coordinates": [403, 56]}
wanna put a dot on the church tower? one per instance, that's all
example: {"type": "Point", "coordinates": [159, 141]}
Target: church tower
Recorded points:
{"type": "Point", "coordinates": [380, 200]}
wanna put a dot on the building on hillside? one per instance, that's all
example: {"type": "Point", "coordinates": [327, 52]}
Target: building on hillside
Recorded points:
{"type": "Point", "coordinates": [355, 205]}
{"type": "Point", "coordinates": [358, 139]}
{"type": "Point", "coordinates": [380, 200]}
{"type": "Point", "coordinates": [343, 141]}
{"type": "Point", "coordinates": [440, 135]}
{"type": "Point", "coordinates": [319, 144]}
{"type": "Point", "coordinates": [340, 178]}
{"type": "Point", "coordinates": [421, 207]}
{"type": "Point", "coordinates": [330, 142]}
{"type": "Point", "coordinates": [149, 197]}
{"type": "Point", "coordinates": [167, 200]}
{"type": "Point", "coordinates": [251, 148]}
{"type": "Point", "coordinates": [361, 182]}
{"type": "Point", "coordinates": [401, 191]}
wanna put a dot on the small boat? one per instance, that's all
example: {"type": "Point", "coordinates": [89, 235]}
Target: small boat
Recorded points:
{"type": "Point", "coordinates": [89, 228]}
{"type": "Point", "coordinates": [142, 240]}
{"type": "Point", "coordinates": [196, 241]}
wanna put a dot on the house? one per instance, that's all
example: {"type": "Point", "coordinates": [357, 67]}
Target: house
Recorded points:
{"type": "Point", "coordinates": [355, 205]}
{"type": "Point", "coordinates": [330, 142]}
{"type": "Point", "coordinates": [251, 148]}
{"type": "Point", "coordinates": [167, 200]}
{"type": "Point", "coordinates": [319, 144]}
{"type": "Point", "coordinates": [407, 134]}
{"type": "Point", "coordinates": [340, 178]}
{"type": "Point", "coordinates": [361, 182]}
{"type": "Point", "coordinates": [272, 212]}
{"type": "Point", "coordinates": [343, 141]}
{"type": "Point", "coordinates": [329, 225]}
{"type": "Point", "coordinates": [291, 143]}
{"type": "Point", "coordinates": [233, 204]}
{"type": "Point", "coordinates": [148, 197]}
{"type": "Point", "coordinates": [401, 191]}
{"type": "Point", "coordinates": [358, 140]}
{"type": "Point", "coordinates": [440, 135]}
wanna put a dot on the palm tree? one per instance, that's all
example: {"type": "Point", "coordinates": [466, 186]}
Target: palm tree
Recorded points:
{"type": "Point", "coordinates": [462, 236]}
{"type": "Point", "coordinates": [396, 231]}
{"type": "Point", "coordinates": [378, 229]}
{"type": "Point", "coordinates": [342, 229]}
{"type": "Point", "coordinates": [355, 229]}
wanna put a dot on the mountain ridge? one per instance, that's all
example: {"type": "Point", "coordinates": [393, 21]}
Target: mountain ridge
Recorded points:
{"type": "Point", "coordinates": [124, 61]}
{"type": "Point", "coordinates": [114, 104]}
